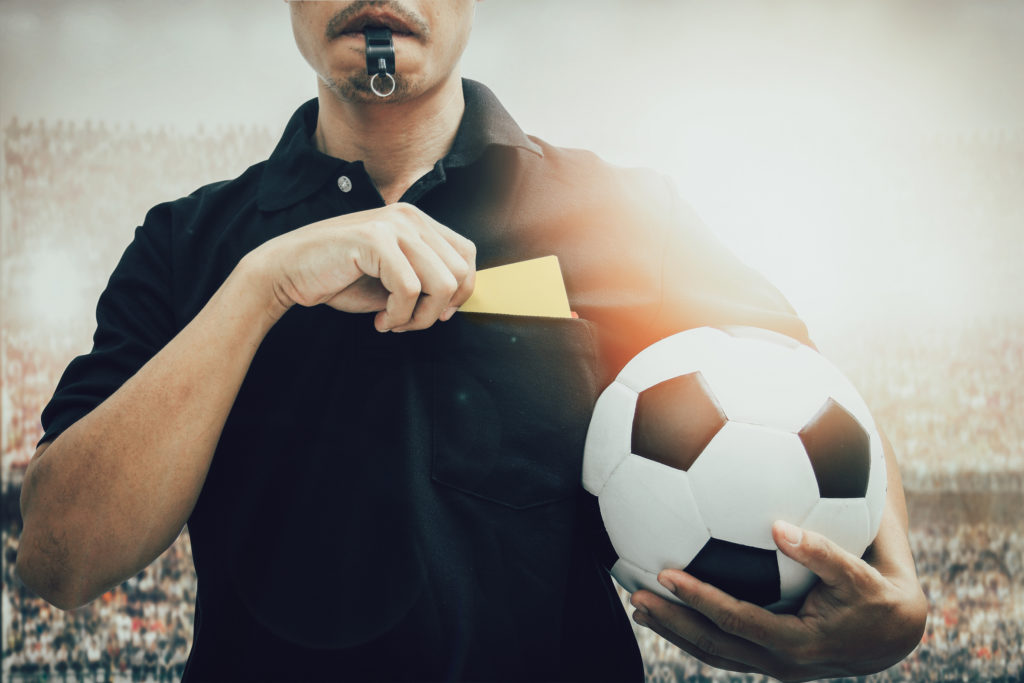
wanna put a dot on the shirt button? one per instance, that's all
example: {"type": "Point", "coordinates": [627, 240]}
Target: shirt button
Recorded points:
{"type": "Point", "coordinates": [344, 184]}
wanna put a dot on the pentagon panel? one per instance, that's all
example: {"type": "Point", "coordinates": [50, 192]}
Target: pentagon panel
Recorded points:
{"type": "Point", "coordinates": [750, 574]}
{"type": "Point", "coordinates": [675, 420]}
{"type": "Point", "coordinates": [747, 478]}
{"type": "Point", "coordinates": [650, 515]}
{"type": "Point", "coordinates": [840, 452]}
{"type": "Point", "coordinates": [607, 441]}
{"type": "Point", "coordinates": [748, 332]}
{"type": "Point", "coordinates": [766, 384]}
{"type": "Point", "coordinates": [679, 354]}
{"type": "Point", "coordinates": [842, 520]}
{"type": "Point", "coordinates": [633, 578]}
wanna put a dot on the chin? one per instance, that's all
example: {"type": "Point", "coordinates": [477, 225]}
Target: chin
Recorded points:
{"type": "Point", "coordinates": [357, 89]}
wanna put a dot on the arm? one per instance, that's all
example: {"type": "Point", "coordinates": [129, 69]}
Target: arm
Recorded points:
{"type": "Point", "coordinates": [107, 496]}
{"type": "Point", "coordinates": [863, 616]}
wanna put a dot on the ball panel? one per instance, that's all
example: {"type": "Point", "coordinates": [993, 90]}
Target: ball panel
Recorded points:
{"type": "Point", "coordinates": [750, 574]}
{"type": "Point", "coordinates": [679, 354]}
{"type": "Point", "coordinates": [675, 420]}
{"type": "Point", "coordinates": [760, 333]}
{"type": "Point", "coordinates": [765, 384]}
{"type": "Point", "coordinates": [838, 385]}
{"type": "Point", "coordinates": [633, 578]}
{"type": "Point", "coordinates": [840, 452]}
{"type": "Point", "coordinates": [747, 478]}
{"type": "Point", "coordinates": [794, 578]}
{"type": "Point", "coordinates": [877, 484]}
{"type": "Point", "coordinates": [842, 520]}
{"type": "Point", "coordinates": [643, 504]}
{"type": "Point", "coordinates": [608, 436]}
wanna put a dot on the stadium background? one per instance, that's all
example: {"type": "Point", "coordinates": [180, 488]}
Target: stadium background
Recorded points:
{"type": "Point", "coordinates": [868, 157]}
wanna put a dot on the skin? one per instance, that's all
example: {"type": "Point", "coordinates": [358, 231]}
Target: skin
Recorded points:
{"type": "Point", "coordinates": [106, 497]}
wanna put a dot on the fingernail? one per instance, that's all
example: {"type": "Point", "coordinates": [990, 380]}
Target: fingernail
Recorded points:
{"type": "Point", "coordinates": [792, 534]}
{"type": "Point", "coordinates": [640, 618]}
{"type": "Point", "coordinates": [667, 584]}
{"type": "Point", "coordinates": [643, 610]}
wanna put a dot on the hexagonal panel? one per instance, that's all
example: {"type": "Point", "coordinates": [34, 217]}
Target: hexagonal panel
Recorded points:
{"type": "Point", "coordinates": [608, 436]}
{"type": "Point", "coordinates": [748, 477]}
{"type": "Point", "coordinates": [766, 384]}
{"type": "Point", "coordinates": [840, 452]}
{"type": "Point", "coordinates": [843, 521]}
{"type": "Point", "coordinates": [633, 578]}
{"type": "Point", "coordinates": [679, 354]}
{"type": "Point", "coordinates": [650, 515]}
{"type": "Point", "coordinates": [795, 580]}
{"type": "Point", "coordinates": [748, 332]}
{"type": "Point", "coordinates": [675, 420]}
{"type": "Point", "coordinates": [878, 484]}
{"type": "Point", "coordinates": [837, 385]}
{"type": "Point", "coordinates": [750, 574]}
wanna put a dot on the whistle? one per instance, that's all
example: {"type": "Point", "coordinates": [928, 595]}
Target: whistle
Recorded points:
{"type": "Point", "coordinates": [380, 59]}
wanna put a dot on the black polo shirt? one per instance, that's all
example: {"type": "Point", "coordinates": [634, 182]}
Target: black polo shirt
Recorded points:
{"type": "Point", "coordinates": [408, 506]}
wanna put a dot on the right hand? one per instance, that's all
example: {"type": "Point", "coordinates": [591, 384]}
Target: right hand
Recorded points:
{"type": "Point", "coordinates": [394, 260]}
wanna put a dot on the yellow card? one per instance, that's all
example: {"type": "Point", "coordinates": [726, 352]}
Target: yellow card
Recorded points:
{"type": "Point", "coordinates": [533, 287]}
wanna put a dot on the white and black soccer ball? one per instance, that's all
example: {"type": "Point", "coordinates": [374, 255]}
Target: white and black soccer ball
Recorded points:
{"type": "Point", "coordinates": [707, 437]}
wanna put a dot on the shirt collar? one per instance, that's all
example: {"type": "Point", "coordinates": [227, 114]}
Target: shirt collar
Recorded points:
{"type": "Point", "coordinates": [296, 169]}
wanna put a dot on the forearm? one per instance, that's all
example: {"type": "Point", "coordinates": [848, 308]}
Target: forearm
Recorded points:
{"type": "Point", "coordinates": [113, 491]}
{"type": "Point", "coordinates": [890, 551]}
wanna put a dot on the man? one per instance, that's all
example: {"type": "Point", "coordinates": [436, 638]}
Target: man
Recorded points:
{"type": "Point", "coordinates": [377, 486]}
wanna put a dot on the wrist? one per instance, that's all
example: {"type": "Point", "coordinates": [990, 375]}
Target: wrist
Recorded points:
{"type": "Point", "coordinates": [259, 276]}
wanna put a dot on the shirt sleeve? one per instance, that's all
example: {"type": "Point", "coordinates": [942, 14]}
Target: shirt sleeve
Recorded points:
{"type": "Point", "coordinates": [134, 320]}
{"type": "Point", "coordinates": [704, 284]}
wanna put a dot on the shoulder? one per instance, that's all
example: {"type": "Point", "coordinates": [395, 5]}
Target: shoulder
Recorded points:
{"type": "Point", "coordinates": [639, 204]}
{"type": "Point", "coordinates": [586, 171]}
{"type": "Point", "coordinates": [207, 205]}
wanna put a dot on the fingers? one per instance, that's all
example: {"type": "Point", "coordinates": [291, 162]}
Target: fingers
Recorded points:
{"type": "Point", "coordinates": [746, 621]}
{"type": "Point", "coordinates": [421, 304]}
{"type": "Point", "coordinates": [459, 256]}
{"type": "Point", "coordinates": [424, 269]}
{"type": "Point", "coordinates": [682, 643]}
{"type": "Point", "coordinates": [445, 264]}
{"type": "Point", "coordinates": [835, 566]}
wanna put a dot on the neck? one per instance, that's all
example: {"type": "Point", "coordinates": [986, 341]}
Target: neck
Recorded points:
{"type": "Point", "coordinates": [398, 142]}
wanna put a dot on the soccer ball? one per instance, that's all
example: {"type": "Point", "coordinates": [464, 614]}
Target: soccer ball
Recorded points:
{"type": "Point", "coordinates": [707, 437]}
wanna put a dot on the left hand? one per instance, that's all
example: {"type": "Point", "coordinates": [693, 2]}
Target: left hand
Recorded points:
{"type": "Point", "coordinates": [856, 620]}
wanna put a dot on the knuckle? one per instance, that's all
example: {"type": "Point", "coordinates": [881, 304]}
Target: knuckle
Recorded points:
{"type": "Point", "coordinates": [408, 287]}
{"type": "Point", "coordinates": [819, 548]}
{"type": "Point", "coordinates": [732, 622]}
{"type": "Point", "coordinates": [460, 271]}
{"type": "Point", "coordinates": [707, 645]}
{"type": "Point", "coordinates": [449, 286]}
{"type": "Point", "coordinates": [405, 209]}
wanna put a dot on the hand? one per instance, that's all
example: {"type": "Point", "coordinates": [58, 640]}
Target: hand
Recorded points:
{"type": "Point", "coordinates": [395, 260]}
{"type": "Point", "coordinates": [856, 620]}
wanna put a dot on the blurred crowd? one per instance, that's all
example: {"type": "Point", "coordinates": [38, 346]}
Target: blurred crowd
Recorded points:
{"type": "Point", "coordinates": [973, 577]}
{"type": "Point", "coordinates": [951, 399]}
{"type": "Point", "coordinates": [141, 629]}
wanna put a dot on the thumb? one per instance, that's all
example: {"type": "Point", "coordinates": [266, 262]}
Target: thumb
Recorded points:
{"type": "Point", "coordinates": [834, 565]}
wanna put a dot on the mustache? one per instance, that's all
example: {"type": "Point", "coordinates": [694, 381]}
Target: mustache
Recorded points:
{"type": "Point", "coordinates": [337, 24]}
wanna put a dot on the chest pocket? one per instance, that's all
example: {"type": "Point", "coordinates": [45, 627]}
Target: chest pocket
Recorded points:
{"type": "Point", "coordinates": [512, 399]}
